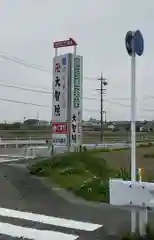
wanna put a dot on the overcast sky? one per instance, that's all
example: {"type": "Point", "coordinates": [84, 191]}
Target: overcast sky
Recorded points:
{"type": "Point", "coordinates": [28, 29]}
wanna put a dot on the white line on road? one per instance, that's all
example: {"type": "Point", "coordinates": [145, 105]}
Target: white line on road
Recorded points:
{"type": "Point", "coordinates": [55, 221]}
{"type": "Point", "coordinates": [2, 160]}
{"type": "Point", "coordinates": [10, 156]}
{"type": "Point", "coordinates": [35, 234]}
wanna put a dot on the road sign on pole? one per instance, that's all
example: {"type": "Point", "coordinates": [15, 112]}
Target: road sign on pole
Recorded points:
{"type": "Point", "coordinates": [135, 46]}
{"type": "Point", "coordinates": [128, 42]}
{"type": "Point", "coordinates": [134, 39]}
{"type": "Point", "coordinates": [139, 43]}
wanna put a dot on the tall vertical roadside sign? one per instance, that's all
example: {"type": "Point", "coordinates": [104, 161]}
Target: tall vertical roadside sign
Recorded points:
{"type": "Point", "coordinates": [60, 98]}
{"type": "Point", "coordinates": [67, 97]}
{"type": "Point", "coordinates": [77, 83]}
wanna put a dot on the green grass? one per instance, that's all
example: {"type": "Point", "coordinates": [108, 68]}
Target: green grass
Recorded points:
{"type": "Point", "coordinates": [100, 150]}
{"type": "Point", "coordinates": [149, 235]}
{"type": "Point", "coordinates": [85, 173]}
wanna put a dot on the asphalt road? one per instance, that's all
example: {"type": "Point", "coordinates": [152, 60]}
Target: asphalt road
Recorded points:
{"type": "Point", "coordinates": [27, 194]}
{"type": "Point", "coordinates": [68, 221]}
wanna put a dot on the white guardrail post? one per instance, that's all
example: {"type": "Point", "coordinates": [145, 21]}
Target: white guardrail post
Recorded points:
{"type": "Point", "coordinates": [138, 196]}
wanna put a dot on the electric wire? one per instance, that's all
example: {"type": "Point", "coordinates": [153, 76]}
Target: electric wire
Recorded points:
{"type": "Point", "coordinates": [22, 102]}
{"type": "Point", "coordinates": [37, 67]}
{"type": "Point", "coordinates": [23, 62]}
{"type": "Point", "coordinates": [24, 88]}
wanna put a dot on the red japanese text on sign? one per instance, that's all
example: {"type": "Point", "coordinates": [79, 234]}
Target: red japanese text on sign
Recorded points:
{"type": "Point", "coordinates": [59, 128]}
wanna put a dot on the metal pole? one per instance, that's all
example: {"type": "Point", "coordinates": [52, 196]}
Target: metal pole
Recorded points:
{"type": "Point", "coordinates": [102, 133]}
{"type": "Point", "coordinates": [133, 120]}
{"type": "Point", "coordinates": [133, 130]}
{"type": "Point", "coordinates": [105, 116]}
{"type": "Point", "coordinates": [103, 83]}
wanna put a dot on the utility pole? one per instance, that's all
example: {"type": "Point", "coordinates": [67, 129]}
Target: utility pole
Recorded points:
{"type": "Point", "coordinates": [102, 89]}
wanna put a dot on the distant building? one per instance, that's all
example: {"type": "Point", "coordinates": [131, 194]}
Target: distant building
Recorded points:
{"type": "Point", "coordinates": [31, 122]}
{"type": "Point", "coordinates": [43, 123]}
{"type": "Point", "coordinates": [36, 123]}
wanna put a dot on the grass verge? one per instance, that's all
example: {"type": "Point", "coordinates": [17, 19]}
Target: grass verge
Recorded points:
{"type": "Point", "coordinates": [86, 174]}
{"type": "Point", "coordinates": [149, 235]}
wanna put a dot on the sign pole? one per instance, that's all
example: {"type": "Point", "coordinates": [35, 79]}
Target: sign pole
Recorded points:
{"type": "Point", "coordinates": [133, 128]}
{"type": "Point", "coordinates": [135, 46]}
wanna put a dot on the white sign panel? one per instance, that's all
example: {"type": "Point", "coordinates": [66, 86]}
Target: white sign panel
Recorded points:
{"type": "Point", "coordinates": [77, 80]}
{"type": "Point", "coordinates": [60, 139]}
{"type": "Point", "coordinates": [60, 76]}
{"type": "Point", "coordinates": [60, 95]}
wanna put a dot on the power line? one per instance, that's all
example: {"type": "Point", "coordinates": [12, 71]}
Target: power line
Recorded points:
{"type": "Point", "coordinates": [47, 106]}
{"type": "Point", "coordinates": [20, 102]}
{"type": "Point", "coordinates": [27, 64]}
{"type": "Point", "coordinates": [23, 62]}
{"type": "Point", "coordinates": [50, 93]}
{"type": "Point", "coordinates": [24, 88]}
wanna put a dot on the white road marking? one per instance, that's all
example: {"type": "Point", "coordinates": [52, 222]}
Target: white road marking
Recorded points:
{"type": "Point", "coordinates": [9, 160]}
{"type": "Point", "coordinates": [10, 156]}
{"type": "Point", "coordinates": [55, 221]}
{"type": "Point", "coordinates": [35, 234]}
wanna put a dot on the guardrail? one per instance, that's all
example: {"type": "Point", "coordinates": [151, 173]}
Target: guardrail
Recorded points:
{"type": "Point", "coordinates": [24, 138]}
{"type": "Point", "coordinates": [46, 151]}
{"type": "Point", "coordinates": [106, 138]}
{"type": "Point", "coordinates": [20, 143]}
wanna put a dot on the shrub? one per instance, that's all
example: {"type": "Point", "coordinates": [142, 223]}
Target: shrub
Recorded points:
{"type": "Point", "coordinates": [94, 190]}
{"type": "Point", "coordinates": [84, 173]}
{"type": "Point", "coordinates": [122, 173]}
{"type": "Point", "coordinates": [142, 145]}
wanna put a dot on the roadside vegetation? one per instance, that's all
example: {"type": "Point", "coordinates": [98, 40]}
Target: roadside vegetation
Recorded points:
{"type": "Point", "coordinates": [87, 173]}
{"type": "Point", "coordinates": [148, 236]}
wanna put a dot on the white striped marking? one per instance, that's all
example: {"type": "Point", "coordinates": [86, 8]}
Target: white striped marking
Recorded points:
{"type": "Point", "coordinates": [17, 231]}
{"type": "Point", "coordinates": [10, 156]}
{"type": "Point", "coordinates": [55, 221]}
{"type": "Point", "coordinates": [9, 160]}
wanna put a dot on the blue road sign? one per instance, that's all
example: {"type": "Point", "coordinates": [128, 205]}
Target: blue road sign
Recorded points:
{"type": "Point", "coordinates": [128, 42]}
{"type": "Point", "coordinates": [138, 43]}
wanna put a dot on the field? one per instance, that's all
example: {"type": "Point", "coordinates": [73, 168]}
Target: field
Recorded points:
{"type": "Point", "coordinates": [121, 159]}
{"type": "Point", "coordinates": [88, 136]}
{"type": "Point", "coordinates": [87, 173]}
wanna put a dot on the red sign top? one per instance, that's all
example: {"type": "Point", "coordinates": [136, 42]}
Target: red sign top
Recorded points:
{"type": "Point", "coordinates": [65, 43]}
{"type": "Point", "coordinates": [59, 128]}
